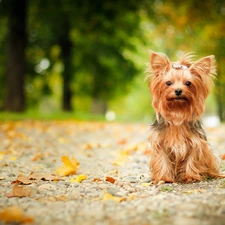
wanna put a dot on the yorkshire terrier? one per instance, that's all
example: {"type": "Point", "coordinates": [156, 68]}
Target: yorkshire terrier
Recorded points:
{"type": "Point", "coordinates": [179, 148]}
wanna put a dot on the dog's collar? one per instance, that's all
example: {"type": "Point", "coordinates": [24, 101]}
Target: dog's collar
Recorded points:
{"type": "Point", "coordinates": [179, 66]}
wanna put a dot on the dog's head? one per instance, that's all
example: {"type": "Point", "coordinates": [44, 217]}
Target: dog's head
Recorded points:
{"type": "Point", "coordinates": [179, 89]}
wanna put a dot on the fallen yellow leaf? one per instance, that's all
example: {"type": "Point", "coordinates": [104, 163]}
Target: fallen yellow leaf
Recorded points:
{"type": "Point", "coordinates": [122, 158]}
{"type": "Point", "coordinates": [145, 184]}
{"type": "Point", "coordinates": [13, 158]}
{"type": "Point", "coordinates": [1, 155]}
{"type": "Point", "coordinates": [13, 215]}
{"type": "Point", "coordinates": [62, 140]}
{"type": "Point", "coordinates": [70, 166]}
{"type": "Point", "coordinates": [107, 196]}
{"type": "Point", "coordinates": [78, 178]}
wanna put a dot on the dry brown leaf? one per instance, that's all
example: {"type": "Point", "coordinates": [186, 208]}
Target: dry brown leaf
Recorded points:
{"type": "Point", "coordinates": [223, 157]}
{"type": "Point", "coordinates": [194, 191]}
{"type": "Point", "coordinates": [122, 141]}
{"type": "Point", "coordinates": [62, 198]}
{"type": "Point", "coordinates": [19, 191]}
{"type": "Point", "coordinates": [21, 179]}
{"type": "Point", "coordinates": [49, 187]}
{"type": "Point", "coordinates": [13, 215]}
{"type": "Point", "coordinates": [43, 176]}
{"type": "Point", "coordinates": [110, 179]}
{"type": "Point", "coordinates": [89, 146]}
{"type": "Point", "coordinates": [147, 152]}
{"type": "Point", "coordinates": [38, 156]}
{"type": "Point", "coordinates": [97, 179]}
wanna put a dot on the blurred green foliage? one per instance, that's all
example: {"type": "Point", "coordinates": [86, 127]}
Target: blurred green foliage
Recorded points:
{"type": "Point", "coordinates": [98, 51]}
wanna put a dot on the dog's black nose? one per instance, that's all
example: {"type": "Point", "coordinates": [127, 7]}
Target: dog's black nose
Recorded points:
{"type": "Point", "coordinates": [178, 92]}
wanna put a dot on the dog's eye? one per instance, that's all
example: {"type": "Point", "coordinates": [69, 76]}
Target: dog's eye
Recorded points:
{"type": "Point", "coordinates": [188, 83]}
{"type": "Point", "coordinates": [168, 83]}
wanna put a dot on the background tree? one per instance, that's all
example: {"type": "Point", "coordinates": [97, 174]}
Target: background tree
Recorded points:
{"type": "Point", "coordinates": [92, 41]}
{"type": "Point", "coordinates": [86, 57]}
{"type": "Point", "coordinates": [16, 63]}
{"type": "Point", "coordinates": [194, 26]}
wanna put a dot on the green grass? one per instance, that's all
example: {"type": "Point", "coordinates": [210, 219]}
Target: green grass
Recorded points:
{"type": "Point", "coordinates": [222, 184]}
{"type": "Point", "coordinates": [33, 114]}
{"type": "Point", "coordinates": [59, 115]}
{"type": "Point", "coordinates": [167, 189]}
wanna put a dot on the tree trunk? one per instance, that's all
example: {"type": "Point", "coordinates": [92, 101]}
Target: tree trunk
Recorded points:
{"type": "Point", "coordinates": [219, 93]}
{"type": "Point", "coordinates": [66, 54]}
{"type": "Point", "coordinates": [220, 107]}
{"type": "Point", "coordinates": [17, 38]}
{"type": "Point", "coordinates": [98, 106]}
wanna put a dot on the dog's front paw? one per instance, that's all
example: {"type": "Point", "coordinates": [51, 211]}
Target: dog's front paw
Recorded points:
{"type": "Point", "coordinates": [163, 181]}
{"type": "Point", "coordinates": [192, 179]}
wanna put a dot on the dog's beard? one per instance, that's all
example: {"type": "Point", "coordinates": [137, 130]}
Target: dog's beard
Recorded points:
{"type": "Point", "coordinates": [177, 110]}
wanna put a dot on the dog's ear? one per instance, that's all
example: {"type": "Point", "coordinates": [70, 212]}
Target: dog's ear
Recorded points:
{"type": "Point", "coordinates": [204, 67]}
{"type": "Point", "coordinates": [159, 62]}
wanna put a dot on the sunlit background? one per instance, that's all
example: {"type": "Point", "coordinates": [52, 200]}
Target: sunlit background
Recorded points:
{"type": "Point", "coordinates": [87, 59]}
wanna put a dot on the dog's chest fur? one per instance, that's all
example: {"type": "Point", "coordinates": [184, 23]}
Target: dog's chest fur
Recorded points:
{"type": "Point", "coordinates": [177, 141]}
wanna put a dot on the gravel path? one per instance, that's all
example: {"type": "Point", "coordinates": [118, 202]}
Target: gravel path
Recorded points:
{"type": "Point", "coordinates": [117, 188]}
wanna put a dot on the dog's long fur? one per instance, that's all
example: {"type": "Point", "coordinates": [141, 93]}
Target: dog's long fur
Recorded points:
{"type": "Point", "coordinates": [180, 151]}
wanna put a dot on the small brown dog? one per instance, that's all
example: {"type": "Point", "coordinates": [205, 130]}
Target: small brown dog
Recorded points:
{"type": "Point", "coordinates": [179, 148]}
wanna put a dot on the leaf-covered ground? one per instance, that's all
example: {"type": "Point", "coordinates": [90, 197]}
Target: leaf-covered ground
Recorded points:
{"type": "Point", "coordinates": [96, 173]}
